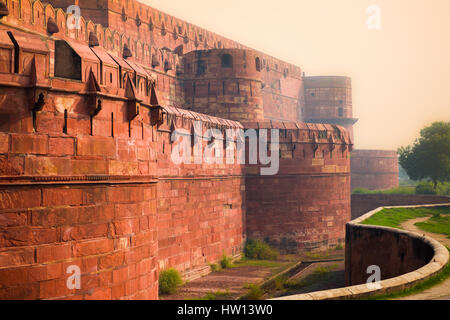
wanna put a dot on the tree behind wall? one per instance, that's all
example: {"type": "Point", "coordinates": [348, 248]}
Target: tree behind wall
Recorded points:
{"type": "Point", "coordinates": [429, 156]}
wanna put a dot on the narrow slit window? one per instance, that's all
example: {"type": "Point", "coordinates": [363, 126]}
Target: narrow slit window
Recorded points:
{"type": "Point", "coordinates": [227, 61]}
{"type": "Point", "coordinates": [258, 64]}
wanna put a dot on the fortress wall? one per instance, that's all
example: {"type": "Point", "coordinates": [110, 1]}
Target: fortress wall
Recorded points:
{"type": "Point", "coordinates": [282, 93]}
{"type": "Point", "coordinates": [362, 203]}
{"type": "Point", "coordinates": [224, 83]}
{"type": "Point", "coordinates": [374, 169]}
{"type": "Point", "coordinates": [199, 220]}
{"type": "Point", "coordinates": [325, 95]}
{"type": "Point", "coordinates": [307, 203]}
{"type": "Point", "coordinates": [328, 99]}
{"type": "Point", "coordinates": [113, 224]}
{"type": "Point", "coordinates": [160, 65]}
{"type": "Point", "coordinates": [200, 206]}
{"type": "Point", "coordinates": [283, 84]}
{"type": "Point", "coordinates": [71, 199]}
{"type": "Point", "coordinates": [105, 134]}
{"type": "Point", "coordinates": [107, 230]}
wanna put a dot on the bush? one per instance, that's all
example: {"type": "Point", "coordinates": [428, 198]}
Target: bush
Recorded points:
{"type": "Point", "coordinates": [256, 249]}
{"type": "Point", "coordinates": [361, 191]}
{"type": "Point", "coordinates": [255, 292]}
{"type": "Point", "coordinates": [225, 262]}
{"type": "Point", "coordinates": [214, 267]}
{"type": "Point", "coordinates": [169, 281]}
{"type": "Point", "coordinates": [425, 187]}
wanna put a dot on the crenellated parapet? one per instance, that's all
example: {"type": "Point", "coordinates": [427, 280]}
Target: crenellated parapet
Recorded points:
{"type": "Point", "coordinates": [33, 17]}
{"type": "Point", "coordinates": [306, 204]}
{"type": "Point", "coordinates": [158, 40]}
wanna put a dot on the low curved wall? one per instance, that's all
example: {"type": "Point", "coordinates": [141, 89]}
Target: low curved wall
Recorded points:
{"type": "Point", "coordinates": [405, 258]}
{"type": "Point", "coordinates": [363, 203]}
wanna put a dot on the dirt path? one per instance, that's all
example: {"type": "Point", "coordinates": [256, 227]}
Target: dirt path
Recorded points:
{"type": "Point", "coordinates": [410, 225]}
{"type": "Point", "coordinates": [440, 291]}
{"type": "Point", "coordinates": [233, 280]}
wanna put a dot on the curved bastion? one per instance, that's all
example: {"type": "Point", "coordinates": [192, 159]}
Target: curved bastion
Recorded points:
{"type": "Point", "coordinates": [374, 169]}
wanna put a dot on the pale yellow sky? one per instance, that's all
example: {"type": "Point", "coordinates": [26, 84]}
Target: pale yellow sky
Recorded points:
{"type": "Point", "coordinates": [400, 73]}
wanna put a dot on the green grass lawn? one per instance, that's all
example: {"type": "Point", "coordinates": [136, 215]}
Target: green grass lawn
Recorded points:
{"type": "Point", "coordinates": [393, 217]}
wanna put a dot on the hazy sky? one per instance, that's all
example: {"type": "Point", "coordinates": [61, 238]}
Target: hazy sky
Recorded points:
{"type": "Point", "coordinates": [400, 73]}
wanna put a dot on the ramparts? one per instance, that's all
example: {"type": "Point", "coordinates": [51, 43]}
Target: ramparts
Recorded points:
{"type": "Point", "coordinates": [304, 206]}
{"type": "Point", "coordinates": [374, 169]}
{"type": "Point", "coordinates": [86, 175]}
{"type": "Point", "coordinates": [363, 203]}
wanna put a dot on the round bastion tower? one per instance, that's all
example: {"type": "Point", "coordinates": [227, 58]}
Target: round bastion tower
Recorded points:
{"type": "Point", "coordinates": [328, 99]}
{"type": "Point", "coordinates": [224, 83]}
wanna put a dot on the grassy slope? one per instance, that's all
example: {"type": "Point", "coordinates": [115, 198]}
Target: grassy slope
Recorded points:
{"type": "Point", "coordinates": [436, 224]}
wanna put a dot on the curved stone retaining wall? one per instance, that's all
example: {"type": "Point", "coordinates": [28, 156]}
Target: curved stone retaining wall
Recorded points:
{"type": "Point", "coordinates": [405, 258]}
{"type": "Point", "coordinates": [363, 203]}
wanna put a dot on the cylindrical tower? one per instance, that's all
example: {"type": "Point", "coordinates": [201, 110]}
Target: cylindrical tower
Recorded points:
{"type": "Point", "coordinates": [305, 206]}
{"type": "Point", "coordinates": [374, 169]}
{"type": "Point", "coordinates": [328, 99]}
{"type": "Point", "coordinates": [224, 83]}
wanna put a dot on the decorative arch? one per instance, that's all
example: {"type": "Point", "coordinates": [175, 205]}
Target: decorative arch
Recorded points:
{"type": "Point", "coordinates": [38, 14]}
{"type": "Point", "coordinates": [81, 33]}
{"type": "Point", "coordinates": [26, 11]}
{"type": "Point", "coordinates": [139, 53]}
{"type": "Point", "coordinates": [98, 29]}
{"type": "Point", "coordinates": [90, 27]}
{"type": "Point", "coordinates": [48, 12]}
{"type": "Point", "coordinates": [61, 21]}
{"type": "Point", "coordinates": [15, 9]}
{"type": "Point", "coordinates": [117, 42]}
{"type": "Point", "coordinates": [108, 39]}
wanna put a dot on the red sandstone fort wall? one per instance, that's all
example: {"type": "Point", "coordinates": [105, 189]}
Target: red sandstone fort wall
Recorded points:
{"type": "Point", "coordinates": [64, 147]}
{"type": "Point", "coordinates": [328, 99]}
{"type": "Point", "coordinates": [225, 83]}
{"type": "Point", "coordinates": [306, 204]}
{"type": "Point", "coordinates": [85, 168]}
{"type": "Point", "coordinates": [374, 169]}
{"type": "Point", "coordinates": [165, 37]}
